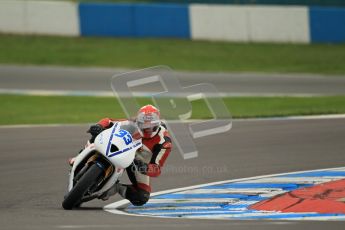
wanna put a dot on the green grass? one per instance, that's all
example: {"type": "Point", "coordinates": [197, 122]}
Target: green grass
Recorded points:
{"type": "Point", "coordinates": [16, 109]}
{"type": "Point", "coordinates": [178, 54]}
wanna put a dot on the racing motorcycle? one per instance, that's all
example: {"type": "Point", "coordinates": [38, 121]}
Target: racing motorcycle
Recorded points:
{"type": "Point", "coordinates": [100, 165]}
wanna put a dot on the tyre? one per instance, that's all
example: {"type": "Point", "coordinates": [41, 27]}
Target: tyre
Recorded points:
{"type": "Point", "coordinates": [89, 179]}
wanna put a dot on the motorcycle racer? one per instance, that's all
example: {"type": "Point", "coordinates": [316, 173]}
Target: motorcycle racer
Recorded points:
{"type": "Point", "coordinates": [149, 159]}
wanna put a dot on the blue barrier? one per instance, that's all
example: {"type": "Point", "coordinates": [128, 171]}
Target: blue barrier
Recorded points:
{"type": "Point", "coordinates": [128, 20]}
{"type": "Point", "coordinates": [173, 20]}
{"type": "Point", "coordinates": [106, 19]}
{"type": "Point", "coordinates": [162, 20]}
{"type": "Point", "coordinates": [327, 24]}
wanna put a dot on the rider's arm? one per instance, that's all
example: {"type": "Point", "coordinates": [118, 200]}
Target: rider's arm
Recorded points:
{"type": "Point", "coordinates": [108, 122]}
{"type": "Point", "coordinates": [160, 152]}
{"type": "Point", "coordinates": [105, 122]}
{"type": "Point", "coordinates": [96, 129]}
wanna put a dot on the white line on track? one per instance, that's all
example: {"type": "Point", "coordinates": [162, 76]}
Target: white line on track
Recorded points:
{"type": "Point", "coordinates": [311, 117]}
{"type": "Point", "coordinates": [103, 93]}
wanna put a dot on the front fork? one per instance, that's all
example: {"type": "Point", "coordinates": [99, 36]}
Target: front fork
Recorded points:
{"type": "Point", "coordinates": [101, 163]}
{"type": "Point", "coordinates": [111, 175]}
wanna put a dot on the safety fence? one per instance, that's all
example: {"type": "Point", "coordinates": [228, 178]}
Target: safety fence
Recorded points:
{"type": "Point", "coordinates": [244, 23]}
{"type": "Point", "coordinates": [246, 2]}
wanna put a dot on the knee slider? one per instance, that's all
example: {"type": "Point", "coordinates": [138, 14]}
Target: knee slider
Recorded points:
{"type": "Point", "coordinates": [140, 198]}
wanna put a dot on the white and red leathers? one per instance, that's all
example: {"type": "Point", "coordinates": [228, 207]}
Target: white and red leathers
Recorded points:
{"type": "Point", "coordinates": [153, 154]}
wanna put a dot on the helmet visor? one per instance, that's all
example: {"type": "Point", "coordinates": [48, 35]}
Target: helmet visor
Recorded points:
{"type": "Point", "coordinates": [147, 128]}
{"type": "Point", "coordinates": [153, 125]}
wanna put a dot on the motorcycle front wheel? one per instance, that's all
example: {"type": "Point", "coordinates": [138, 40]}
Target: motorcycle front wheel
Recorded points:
{"type": "Point", "coordinates": [88, 180]}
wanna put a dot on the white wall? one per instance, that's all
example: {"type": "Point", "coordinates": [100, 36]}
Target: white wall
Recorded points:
{"type": "Point", "coordinates": [249, 23]}
{"type": "Point", "coordinates": [279, 24]}
{"type": "Point", "coordinates": [11, 17]}
{"type": "Point", "coordinates": [39, 17]}
{"type": "Point", "coordinates": [218, 22]}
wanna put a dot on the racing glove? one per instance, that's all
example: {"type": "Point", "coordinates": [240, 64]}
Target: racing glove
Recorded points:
{"type": "Point", "coordinates": [94, 130]}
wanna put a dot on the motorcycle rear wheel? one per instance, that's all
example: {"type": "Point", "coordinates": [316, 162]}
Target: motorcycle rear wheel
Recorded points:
{"type": "Point", "coordinates": [88, 180]}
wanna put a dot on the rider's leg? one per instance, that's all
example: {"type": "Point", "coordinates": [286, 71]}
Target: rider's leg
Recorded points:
{"type": "Point", "coordinates": [137, 196]}
{"type": "Point", "coordinates": [138, 193]}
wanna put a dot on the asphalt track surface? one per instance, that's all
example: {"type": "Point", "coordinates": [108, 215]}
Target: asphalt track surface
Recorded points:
{"type": "Point", "coordinates": [34, 159]}
{"type": "Point", "coordinates": [98, 79]}
{"type": "Point", "coordinates": [34, 172]}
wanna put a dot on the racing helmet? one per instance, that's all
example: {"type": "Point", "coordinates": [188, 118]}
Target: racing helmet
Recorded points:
{"type": "Point", "coordinates": [148, 121]}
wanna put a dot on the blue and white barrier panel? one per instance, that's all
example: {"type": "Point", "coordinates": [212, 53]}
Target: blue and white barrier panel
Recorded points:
{"type": "Point", "coordinates": [134, 20]}
{"type": "Point", "coordinates": [243, 23]}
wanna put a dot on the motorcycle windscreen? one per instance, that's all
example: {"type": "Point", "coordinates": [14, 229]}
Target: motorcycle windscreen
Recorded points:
{"type": "Point", "coordinates": [122, 146]}
{"type": "Point", "coordinates": [132, 128]}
